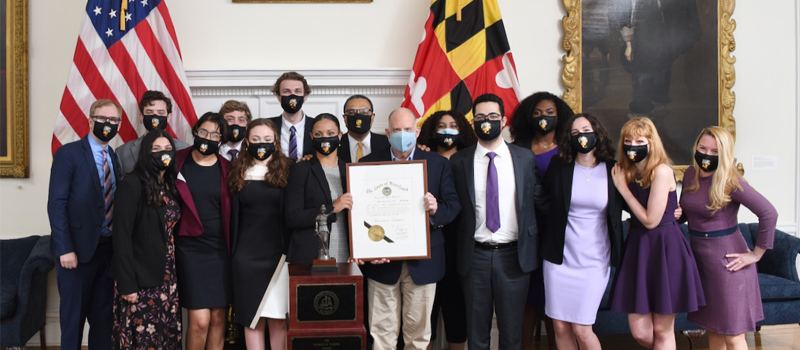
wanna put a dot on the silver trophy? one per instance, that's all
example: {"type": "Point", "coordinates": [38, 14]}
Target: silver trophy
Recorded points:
{"type": "Point", "coordinates": [323, 234]}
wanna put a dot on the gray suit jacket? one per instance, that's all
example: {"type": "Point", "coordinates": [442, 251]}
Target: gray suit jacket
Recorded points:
{"type": "Point", "coordinates": [128, 153]}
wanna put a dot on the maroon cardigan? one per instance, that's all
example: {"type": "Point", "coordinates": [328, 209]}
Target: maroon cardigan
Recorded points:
{"type": "Point", "coordinates": [190, 224]}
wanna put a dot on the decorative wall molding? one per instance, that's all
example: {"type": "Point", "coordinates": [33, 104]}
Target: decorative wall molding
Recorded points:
{"type": "Point", "coordinates": [386, 77]}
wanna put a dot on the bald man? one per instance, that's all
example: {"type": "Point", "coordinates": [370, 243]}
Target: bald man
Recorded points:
{"type": "Point", "coordinates": [406, 288]}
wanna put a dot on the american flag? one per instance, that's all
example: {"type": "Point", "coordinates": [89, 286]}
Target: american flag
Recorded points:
{"type": "Point", "coordinates": [125, 47]}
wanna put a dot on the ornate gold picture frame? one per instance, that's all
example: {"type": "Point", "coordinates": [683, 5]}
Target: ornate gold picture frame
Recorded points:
{"type": "Point", "coordinates": [14, 126]}
{"type": "Point", "coordinates": [679, 74]}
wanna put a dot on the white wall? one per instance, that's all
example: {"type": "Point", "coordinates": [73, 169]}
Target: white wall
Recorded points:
{"type": "Point", "coordinates": [220, 35]}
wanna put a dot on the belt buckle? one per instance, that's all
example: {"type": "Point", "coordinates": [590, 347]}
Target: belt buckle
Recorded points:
{"type": "Point", "coordinates": [493, 245]}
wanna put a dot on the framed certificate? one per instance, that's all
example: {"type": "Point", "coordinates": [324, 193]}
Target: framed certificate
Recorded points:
{"type": "Point", "coordinates": [388, 219]}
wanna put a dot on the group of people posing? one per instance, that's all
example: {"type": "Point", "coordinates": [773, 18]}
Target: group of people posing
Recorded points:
{"type": "Point", "coordinates": [159, 225]}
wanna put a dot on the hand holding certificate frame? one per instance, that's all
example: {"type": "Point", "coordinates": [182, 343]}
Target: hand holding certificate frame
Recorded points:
{"type": "Point", "coordinates": [388, 219]}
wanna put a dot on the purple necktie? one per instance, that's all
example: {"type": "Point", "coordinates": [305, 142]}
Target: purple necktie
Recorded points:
{"type": "Point", "coordinates": [492, 196]}
{"type": "Point", "coordinates": [233, 153]}
{"type": "Point", "coordinates": [293, 143]}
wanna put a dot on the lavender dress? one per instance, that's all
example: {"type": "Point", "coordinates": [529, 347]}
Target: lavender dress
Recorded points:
{"type": "Point", "coordinates": [658, 272]}
{"type": "Point", "coordinates": [573, 290]}
{"type": "Point", "coordinates": [734, 299]}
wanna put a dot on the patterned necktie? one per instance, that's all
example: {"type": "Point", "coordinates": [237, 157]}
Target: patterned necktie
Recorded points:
{"type": "Point", "coordinates": [233, 153]}
{"type": "Point", "coordinates": [293, 143]}
{"type": "Point", "coordinates": [108, 193]}
{"type": "Point", "coordinates": [360, 151]}
{"type": "Point", "coordinates": [492, 196]}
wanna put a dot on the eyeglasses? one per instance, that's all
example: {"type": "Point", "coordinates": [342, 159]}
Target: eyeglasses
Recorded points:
{"type": "Point", "coordinates": [103, 119]}
{"type": "Point", "coordinates": [210, 135]}
{"type": "Point", "coordinates": [354, 111]}
{"type": "Point", "coordinates": [491, 116]}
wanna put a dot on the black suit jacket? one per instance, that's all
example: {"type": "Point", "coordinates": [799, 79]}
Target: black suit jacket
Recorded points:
{"type": "Point", "coordinates": [75, 202]}
{"type": "Point", "coordinates": [140, 242]}
{"type": "Point", "coordinates": [440, 185]}
{"type": "Point", "coordinates": [308, 147]}
{"type": "Point", "coordinates": [558, 182]}
{"type": "Point", "coordinates": [306, 191]}
{"type": "Point", "coordinates": [377, 143]}
{"type": "Point", "coordinates": [529, 194]}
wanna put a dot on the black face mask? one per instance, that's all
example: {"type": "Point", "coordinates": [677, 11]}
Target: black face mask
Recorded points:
{"type": "Point", "coordinates": [261, 151]}
{"type": "Point", "coordinates": [236, 133]}
{"type": "Point", "coordinates": [544, 124]}
{"type": "Point", "coordinates": [636, 154]}
{"type": "Point", "coordinates": [162, 159]}
{"type": "Point", "coordinates": [153, 122]}
{"type": "Point", "coordinates": [326, 145]}
{"type": "Point", "coordinates": [105, 131]}
{"type": "Point", "coordinates": [487, 130]}
{"type": "Point", "coordinates": [584, 142]}
{"type": "Point", "coordinates": [205, 147]}
{"type": "Point", "coordinates": [446, 141]}
{"type": "Point", "coordinates": [359, 123]}
{"type": "Point", "coordinates": [292, 103]}
{"type": "Point", "coordinates": [706, 162]}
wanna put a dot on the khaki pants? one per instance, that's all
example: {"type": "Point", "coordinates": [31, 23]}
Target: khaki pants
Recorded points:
{"type": "Point", "coordinates": [387, 302]}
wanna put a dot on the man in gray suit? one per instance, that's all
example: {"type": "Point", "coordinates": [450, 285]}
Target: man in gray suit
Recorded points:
{"type": "Point", "coordinates": [497, 239]}
{"type": "Point", "coordinates": [155, 112]}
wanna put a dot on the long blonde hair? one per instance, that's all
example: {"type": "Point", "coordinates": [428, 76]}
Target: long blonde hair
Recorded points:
{"type": "Point", "coordinates": [725, 178]}
{"type": "Point", "coordinates": [656, 156]}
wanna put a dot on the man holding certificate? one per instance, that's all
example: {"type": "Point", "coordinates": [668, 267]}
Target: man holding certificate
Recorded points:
{"type": "Point", "coordinates": [497, 235]}
{"type": "Point", "coordinates": [407, 287]}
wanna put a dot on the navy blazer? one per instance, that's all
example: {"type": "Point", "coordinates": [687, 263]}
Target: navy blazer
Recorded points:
{"type": "Point", "coordinates": [75, 203]}
{"type": "Point", "coordinates": [308, 148]}
{"type": "Point", "coordinates": [529, 194]}
{"type": "Point", "coordinates": [441, 186]}
{"type": "Point", "coordinates": [377, 143]}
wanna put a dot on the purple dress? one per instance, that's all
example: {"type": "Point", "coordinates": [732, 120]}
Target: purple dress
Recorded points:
{"type": "Point", "coordinates": [573, 290]}
{"type": "Point", "coordinates": [658, 272]}
{"type": "Point", "coordinates": [734, 298]}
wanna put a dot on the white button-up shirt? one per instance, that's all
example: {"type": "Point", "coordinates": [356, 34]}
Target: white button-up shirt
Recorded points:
{"type": "Point", "coordinates": [299, 134]}
{"type": "Point", "coordinates": [506, 184]}
{"type": "Point", "coordinates": [366, 147]}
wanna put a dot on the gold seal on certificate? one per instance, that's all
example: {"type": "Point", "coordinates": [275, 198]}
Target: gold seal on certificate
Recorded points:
{"type": "Point", "coordinates": [388, 198]}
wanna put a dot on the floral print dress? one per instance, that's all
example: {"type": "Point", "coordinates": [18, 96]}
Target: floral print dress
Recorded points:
{"type": "Point", "coordinates": [154, 321]}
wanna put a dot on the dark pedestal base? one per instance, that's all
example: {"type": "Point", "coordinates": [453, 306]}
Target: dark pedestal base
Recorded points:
{"type": "Point", "coordinates": [324, 265]}
{"type": "Point", "coordinates": [328, 339]}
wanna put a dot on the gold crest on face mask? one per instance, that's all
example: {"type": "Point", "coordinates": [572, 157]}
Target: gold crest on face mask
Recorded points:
{"type": "Point", "coordinates": [204, 148]}
{"type": "Point", "coordinates": [631, 154]}
{"type": "Point", "coordinates": [448, 141]}
{"type": "Point", "coordinates": [358, 123]}
{"type": "Point", "coordinates": [706, 164]}
{"type": "Point", "coordinates": [261, 152]}
{"type": "Point", "coordinates": [486, 127]}
{"type": "Point", "coordinates": [583, 141]}
{"type": "Point", "coordinates": [106, 130]}
{"type": "Point", "coordinates": [154, 122]}
{"type": "Point", "coordinates": [543, 124]}
{"type": "Point", "coordinates": [235, 133]}
{"type": "Point", "coordinates": [166, 159]}
{"type": "Point", "coordinates": [293, 103]}
{"type": "Point", "coordinates": [326, 146]}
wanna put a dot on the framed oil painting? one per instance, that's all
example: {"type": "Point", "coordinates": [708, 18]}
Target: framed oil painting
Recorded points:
{"type": "Point", "coordinates": [669, 60]}
{"type": "Point", "coordinates": [14, 96]}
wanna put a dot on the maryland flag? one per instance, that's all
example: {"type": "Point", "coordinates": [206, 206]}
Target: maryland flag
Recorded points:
{"type": "Point", "coordinates": [464, 53]}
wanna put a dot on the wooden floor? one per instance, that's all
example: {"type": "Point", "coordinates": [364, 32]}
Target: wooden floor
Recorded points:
{"type": "Point", "coordinates": [785, 337]}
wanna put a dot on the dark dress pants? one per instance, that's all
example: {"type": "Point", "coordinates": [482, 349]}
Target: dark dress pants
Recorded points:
{"type": "Point", "coordinates": [495, 282]}
{"type": "Point", "coordinates": [87, 292]}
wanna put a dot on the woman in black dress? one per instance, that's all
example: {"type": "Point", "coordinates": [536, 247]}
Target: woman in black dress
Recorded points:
{"type": "Point", "coordinates": [146, 312]}
{"type": "Point", "coordinates": [259, 236]}
{"type": "Point", "coordinates": [203, 243]}
{"type": "Point", "coordinates": [447, 132]}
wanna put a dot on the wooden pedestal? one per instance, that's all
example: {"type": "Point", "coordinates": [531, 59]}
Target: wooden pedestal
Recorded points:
{"type": "Point", "coordinates": [326, 309]}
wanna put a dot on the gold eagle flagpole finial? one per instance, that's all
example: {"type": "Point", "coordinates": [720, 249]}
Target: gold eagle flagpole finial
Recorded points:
{"type": "Point", "coordinates": [458, 10]}
{"type": "Point", "coordinates": [123, 8]}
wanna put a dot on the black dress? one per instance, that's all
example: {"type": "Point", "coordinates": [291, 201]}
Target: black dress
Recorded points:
{"type": "Point", "coordinates": [258, 235]}
{"type": "Point", "coordinates": [203, 262]}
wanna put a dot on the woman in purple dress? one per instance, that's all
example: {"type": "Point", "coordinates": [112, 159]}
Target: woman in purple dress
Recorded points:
{"type": "Point", "coordinates": [584, 232]}
{"type": "Point", "coordinates": [658, 277]}
{"type": "Point", "coordinates": [538, 124]}
{"type": "Point", "coordinates": [712, 193]}
{"type": "Point", "coordinates": [146, 311]}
